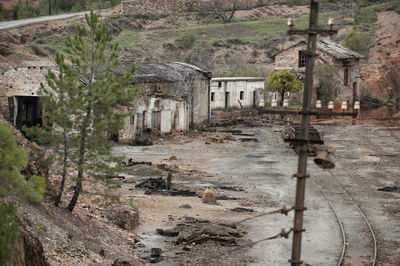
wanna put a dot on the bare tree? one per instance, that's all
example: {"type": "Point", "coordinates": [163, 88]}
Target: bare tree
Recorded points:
{"type": "Point", "coordinates": [391, 78]}
{"type": "Point", "coordinates": [225, 9]}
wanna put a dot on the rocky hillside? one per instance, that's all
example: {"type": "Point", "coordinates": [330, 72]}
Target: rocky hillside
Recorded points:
{"type": "Point", "coordinates": [243, 47]}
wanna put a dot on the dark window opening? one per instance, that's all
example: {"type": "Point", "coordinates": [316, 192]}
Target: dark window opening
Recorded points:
{"type": "Point", "coordinates": [241, 95]}
{"type": "Point", "coordinates": [346, 77]}
{"type": "Point", "coordinates": [212, 96]}
{"type": "Point", "coordinates": [132, 120]}
{"type": "Point", "coordinates": [227, 99]}
{"type": "Point", "coordinates": [219, 84]}
{"type": "Point", "coordinates": [302, 59]}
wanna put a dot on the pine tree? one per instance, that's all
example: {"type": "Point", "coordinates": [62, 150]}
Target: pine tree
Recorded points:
{"type": "Point", "coordinates": [60, 97]}
{"type": "Point", "coordinates": [12, 160]}
{"type": "Point", "coordinates": [92, 95]}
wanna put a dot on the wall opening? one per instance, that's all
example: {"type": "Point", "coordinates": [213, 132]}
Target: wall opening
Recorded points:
{"type": "Point", "coordinates": [227, 99]}
{"type": "Point", "coordinates": [302, 59]}
{"type": "Point", "coordinates": [212, 96]}
{"type": "Point", "coordinates": [241, 96]}
{"type": "Point", "coordinates": [346, 76]}
{"type": "Point", "coordinates": [219, 84]}
{"type": "Point", "coordinates": [254, 98]}
{"type": "Point", "coordinates": [29, 111]}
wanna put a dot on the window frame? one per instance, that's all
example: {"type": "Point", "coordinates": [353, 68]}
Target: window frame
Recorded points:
{"type": "Point", "coordinates": [302, 59]}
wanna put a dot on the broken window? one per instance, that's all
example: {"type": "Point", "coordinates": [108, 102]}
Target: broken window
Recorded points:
{"type": "Point", "coordinates": [219, 84]}
{"type": "Point", "coordinates": [241, 95]}
{"type": "Point", "coordinates": [132, 120]}
{"type": "Point", "coordinates": [346, 76]}
{"type": "Point", "coordinates": [212, 96]}
{"type": "Point", "coordinates": [302, 59]}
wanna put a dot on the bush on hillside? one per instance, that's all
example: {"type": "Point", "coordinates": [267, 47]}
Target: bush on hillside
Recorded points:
{"type": "Point", "coordinates": [357, 42]}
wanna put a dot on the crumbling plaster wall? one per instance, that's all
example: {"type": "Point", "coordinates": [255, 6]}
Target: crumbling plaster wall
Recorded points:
{"type": "Point", "coordinates": [167, 106]}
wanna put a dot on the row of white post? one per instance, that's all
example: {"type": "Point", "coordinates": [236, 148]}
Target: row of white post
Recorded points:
{"type": "Point", "coordinates": [318, 104]}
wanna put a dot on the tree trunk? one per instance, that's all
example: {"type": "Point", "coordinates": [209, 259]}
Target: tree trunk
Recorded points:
{"type": "Point", "coordinates": [64, 173]}
{"type": "Point", "coordinates": [85, 125]}
{"type": "Point", "coordinates": [49, 7]}
{"type": "Point", "coordinates": [78, 186]}
{"type": "Point", "coordinates": [282, 97]}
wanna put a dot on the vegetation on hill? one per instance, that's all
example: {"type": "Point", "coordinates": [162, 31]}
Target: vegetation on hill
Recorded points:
{"type": "Point", "coordinates": [242, 47]}
{"type": "Point", "coordinates": [13, 159]}
{"type": "Point", "coordinates": [31, 9]}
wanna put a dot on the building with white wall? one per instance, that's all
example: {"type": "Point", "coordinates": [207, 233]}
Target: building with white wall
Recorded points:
{"type": "Point", "coordinates": [236, 92]}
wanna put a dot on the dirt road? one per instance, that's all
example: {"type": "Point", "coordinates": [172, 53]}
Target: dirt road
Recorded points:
{"type": "Point", "coordinates": [367, 159]}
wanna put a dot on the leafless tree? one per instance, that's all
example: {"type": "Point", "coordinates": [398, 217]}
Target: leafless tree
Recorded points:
{"type": "Point", "coordinates": [225, 9]}
{"type": "Point", "coordinates": [391, 78]}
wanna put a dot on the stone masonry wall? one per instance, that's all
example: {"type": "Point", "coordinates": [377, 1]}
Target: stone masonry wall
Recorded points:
{"type": "Point", "coordinates": [289, 59]}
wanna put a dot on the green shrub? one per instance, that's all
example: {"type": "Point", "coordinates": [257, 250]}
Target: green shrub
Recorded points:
{"type": "Point", "coordinates": [188, 41]}
{"type": "Point", "coordinates": [22, 11]}
{"type": "Point", "coordinates": [8, 231]}
{"type": "Point", "coordinates": [358, 42]}
{"type": "Point", "coordinates": [329, 84]}
{"type": "Point", "coordinates": [36, 187]}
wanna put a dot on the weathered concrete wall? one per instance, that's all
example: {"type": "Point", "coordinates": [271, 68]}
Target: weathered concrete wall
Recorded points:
{"type": "Point", "coordinates": [200, 101]}
{"type": "Point", "coordinates": [249, 87]}
{"type": "Point", "coordinates": [164, 114]}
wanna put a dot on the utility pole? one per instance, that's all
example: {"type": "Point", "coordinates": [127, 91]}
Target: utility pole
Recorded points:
{"type": "Point", "coordinates": [304, 139]}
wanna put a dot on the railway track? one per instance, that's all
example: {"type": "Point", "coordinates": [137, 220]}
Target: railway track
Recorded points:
{"type": "Point", "coordinates": [354, 226]}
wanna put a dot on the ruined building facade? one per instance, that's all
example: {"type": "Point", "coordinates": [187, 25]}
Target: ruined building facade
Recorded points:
{"type": "Point", "coordinates": [345, 65]}
{"type": "Point", "coordinates": [172, 97]}
{"type": "Point", "coordinates": [19, 101]}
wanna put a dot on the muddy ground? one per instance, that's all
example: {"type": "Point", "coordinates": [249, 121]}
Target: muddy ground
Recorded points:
{"type": "Point", "coordinates": [246, 163]}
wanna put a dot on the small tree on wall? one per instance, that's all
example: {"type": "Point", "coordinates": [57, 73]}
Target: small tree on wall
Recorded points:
{"type": "Point", "coordinates": [283, 81]}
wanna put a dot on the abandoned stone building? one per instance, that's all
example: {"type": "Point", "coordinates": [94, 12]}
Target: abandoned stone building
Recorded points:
{"type": "Point", "coordinates": [19, 101]}
{"type": "Point", "coordinates": [345, 65]}
{"type": "Point", "coordinates": [236, 92]}
{"type": "Point", "coordinates": [172, 96]}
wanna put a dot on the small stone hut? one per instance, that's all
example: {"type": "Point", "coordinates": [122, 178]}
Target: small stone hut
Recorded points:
{"type": "Point", "coordinates": [19, 101]}
{"type": "Point", "coordinates": [345, 64]}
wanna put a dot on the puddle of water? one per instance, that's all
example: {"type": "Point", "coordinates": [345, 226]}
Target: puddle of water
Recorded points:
{"type": "Point", "coordinates": [266, 162]}
{"type": "Point", "coordinates": [254, 156]}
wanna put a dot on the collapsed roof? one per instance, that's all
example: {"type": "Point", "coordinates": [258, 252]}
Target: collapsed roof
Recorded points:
{"type": "Point", "coordinates": [166, 72]}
